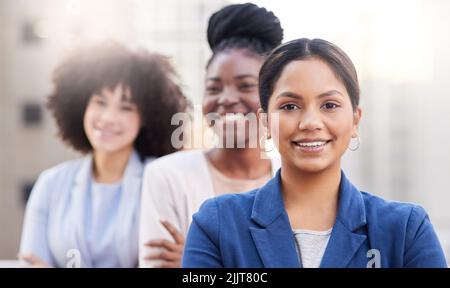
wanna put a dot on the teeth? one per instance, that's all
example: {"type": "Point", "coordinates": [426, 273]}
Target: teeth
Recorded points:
{"type": "Point", "coordinates": [312, 144]}
{"type": "Point", "coordinates": [234, 117]}
{"type": "Point", "coordinates": [106, 133]}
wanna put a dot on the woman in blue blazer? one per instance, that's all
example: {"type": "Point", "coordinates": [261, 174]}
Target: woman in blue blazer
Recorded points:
{"type": "Point", "coordinates": [310, 214]}
{"type": "Point", "coordinates": [115, 106]}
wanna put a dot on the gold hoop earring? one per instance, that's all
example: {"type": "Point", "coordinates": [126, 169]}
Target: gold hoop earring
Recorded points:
{"type": "Point", "coordinates": [357, 144]}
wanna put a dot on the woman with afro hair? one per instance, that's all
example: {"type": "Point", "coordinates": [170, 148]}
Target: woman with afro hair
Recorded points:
{"type": "Point", "coordinates": [114, 106]}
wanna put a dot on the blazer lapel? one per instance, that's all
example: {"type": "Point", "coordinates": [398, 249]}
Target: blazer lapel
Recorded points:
{"type": "Point", "coordinates": [346, 237]}
{"type": "Point", "coordinates": [274, 240]}
{"type": "Point", "coordinates": [276, 245]}
{"type": "Point", "coordinates": [342, 246]}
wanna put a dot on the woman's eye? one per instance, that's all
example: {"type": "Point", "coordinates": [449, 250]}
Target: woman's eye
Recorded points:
{"type": "Point", "coordinates": [212, 90]}
{"type": "Point", "coordinates": [289, 107]}
{"type": "Point", "coordinates": [100, 102]}
{"type": "Point", "coordinates": [330, 105]}
{"type": "Point", "coordinates": [128, 108]}
{"type": "Point", "coordinates": [247, 86]}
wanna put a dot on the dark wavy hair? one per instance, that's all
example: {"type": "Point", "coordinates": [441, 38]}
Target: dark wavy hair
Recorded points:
{"type": "Point", "coordinates": [302, 49]}
{"type": "Point", "coordinates": [244, 26]}
{"type": "Point", "coordinates": [152, 81]}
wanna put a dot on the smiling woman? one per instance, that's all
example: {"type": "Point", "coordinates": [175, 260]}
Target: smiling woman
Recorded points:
{"type": "Point", "coordinates": [316, 113]}
{"type": "Point", "coordinates": [240, 37]}
{"type": "Point", "coordinates": [310, 214]}
{"type": "Point", "coordinates": [115, 106]}
{"type": "Point", "coordinates": [140, 83]}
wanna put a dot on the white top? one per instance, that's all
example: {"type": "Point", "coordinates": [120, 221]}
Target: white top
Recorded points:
{"type": "Point", "coordinates": [311, 246]}
{"type": "Point", "coordinates": [223, 184]}
{"type": "Point", "coordinates": [173, 188]}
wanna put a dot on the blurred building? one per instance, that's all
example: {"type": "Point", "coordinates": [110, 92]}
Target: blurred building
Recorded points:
{"type": "Point", "coordinates": [400, 51]}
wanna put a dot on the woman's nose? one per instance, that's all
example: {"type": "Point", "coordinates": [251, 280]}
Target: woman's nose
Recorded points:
{"type": "Point", "coordinates": [228, 97]}
{"type": "Point", "coordinates": [108, 115]}
{"type": "Point", "coordinates": [311, 120]}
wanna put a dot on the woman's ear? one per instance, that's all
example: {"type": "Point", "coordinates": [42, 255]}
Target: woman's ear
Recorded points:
{"type": "Point", "coordinates": [356, 119]}
{"type": "Point", "coordinates": [264, 120]}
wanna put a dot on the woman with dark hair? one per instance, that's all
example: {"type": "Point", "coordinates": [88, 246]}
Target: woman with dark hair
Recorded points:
{"type": "Point", "coordinates": [310, 214]}
{"type": "Point", "coordinates": [240, 37]}
{"type": "Point", "coordinates": [114, 106]}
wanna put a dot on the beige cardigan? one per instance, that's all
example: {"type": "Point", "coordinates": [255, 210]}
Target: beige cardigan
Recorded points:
{"type": "Point", "coordinates": [173, 188]}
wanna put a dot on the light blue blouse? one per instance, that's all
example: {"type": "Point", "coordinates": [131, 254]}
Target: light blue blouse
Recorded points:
{"type": "Point", "coordinates": [68, 216]}
{"type": "Point", "coordinates": [104, 202]}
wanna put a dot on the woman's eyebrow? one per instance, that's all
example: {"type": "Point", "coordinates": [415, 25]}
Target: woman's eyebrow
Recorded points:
{"type": "Point", "coordinates": [98, 94]}
{"type": "Point", "coordinates": [217, 79]}
{"type": "Point", "coordinates": [289, 95]}
{"type": "Point", "coordinates": [329, 93]}
{"type": "Point", "coordinates": [246, 76]}
{"type": "Point", "coordinates": [298, 96]}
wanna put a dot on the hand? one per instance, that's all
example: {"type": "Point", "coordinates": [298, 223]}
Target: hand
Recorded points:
{"type": "Point", "coordinates": [171, 253]}
{"type": "Point", "coordinates": [32, 261]}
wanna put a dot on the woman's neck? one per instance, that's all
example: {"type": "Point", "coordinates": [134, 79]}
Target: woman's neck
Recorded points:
{"type": "Point", "coordinates": [311, 199]}
{"type": "Point", "coordinates": [110, 167]}
{"type": "Point", "coordinates": [240, 163]}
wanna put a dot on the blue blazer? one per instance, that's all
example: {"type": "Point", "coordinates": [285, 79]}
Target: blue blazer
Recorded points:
{"type": "Point", "coordinates": [252, 230]}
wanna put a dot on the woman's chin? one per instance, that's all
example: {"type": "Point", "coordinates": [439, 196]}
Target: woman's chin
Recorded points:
{"type": "Point", "coordinates": [109, 149]}
{"type": "Point", "coordinates": [310, 166]}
